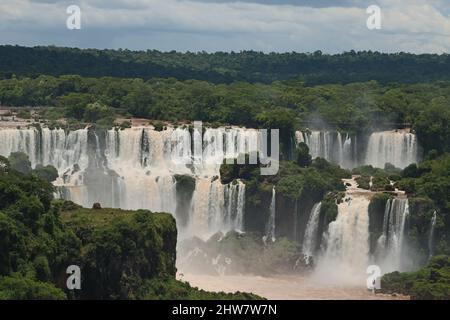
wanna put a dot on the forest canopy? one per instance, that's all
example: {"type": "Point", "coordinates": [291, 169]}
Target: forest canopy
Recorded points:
{"type": "Point", "coordinates": [287, 105]}
{"type": "Point", "coordinates": [226, 67]}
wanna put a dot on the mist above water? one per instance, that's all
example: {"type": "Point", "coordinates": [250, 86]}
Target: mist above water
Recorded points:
{"type": "Point", "coordinates": [346, 253]}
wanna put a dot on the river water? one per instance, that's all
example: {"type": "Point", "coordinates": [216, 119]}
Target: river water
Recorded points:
{"type": "Point", "coordinates": [286, 287]}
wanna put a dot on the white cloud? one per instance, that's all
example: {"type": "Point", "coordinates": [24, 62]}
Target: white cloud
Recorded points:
{"type": "Point", "coordinates": [407, 25]}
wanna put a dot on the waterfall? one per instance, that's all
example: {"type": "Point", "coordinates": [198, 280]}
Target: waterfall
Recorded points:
{"type": "Point", "coordinates": [135, 168]}
{"type": "Point", "coordinates": [431, 236]}
{"type": "Point", "coordinates": [47, 147]}
{"type": "Point", "coordinates": [345, 255]}
{"type": "Point", "coordinates": [233, 210]}
{"type": "Point", "coordinates": [391, 243]}
{"type": "Point", "coordinates": [140, 157]}
{"type": "Point", "coordinates": [198, 221]}
{"type": "Point", "coordinates": [217, 207]}
{"type": "Point", "coordinates": [147, 160]}
{"type": "Point", "coordinates": [270, 226]}
{"type": "Point", "coordinates": [399, 148]}
{"type": "Point", "coordinates": [330, 146]}
{"type": "Point", "coordinates": [319, 143]}
{"type": "Point", "coordinates": [68, 153]}
{"type": "Point", "coordinates": [310, 238]}
{"type": "Point", "coordinates": [239, 221]}
{"type": "Point", "coordinates": [348, 153]}
{"type": "Point", "coordinates": [299, 137]}
{"type": "Point", "coordinates": [13, 140]}
{"type": "Point", "coordinates": [395, 147]}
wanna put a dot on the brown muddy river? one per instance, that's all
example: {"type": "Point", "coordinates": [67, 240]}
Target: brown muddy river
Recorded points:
{"type": "Point", "coordinates": [283, 287]}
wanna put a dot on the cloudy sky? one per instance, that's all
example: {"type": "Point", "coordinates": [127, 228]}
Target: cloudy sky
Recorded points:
{"type": "Point", "coordinates": [420, 26]}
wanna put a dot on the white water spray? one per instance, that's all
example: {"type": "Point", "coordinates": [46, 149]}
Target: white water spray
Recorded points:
{"type": "Point", "coordinates": [395, 147]}
{"type": "Point", "coordinates": [431, 236]}
{"type": "Point", "coordinates": [399, 148]}
{"type": "Point", "coordinates": [136, 168]}
{"type": "Point", "coordinates": [390, 245]}
{"type": "Point", "coordinates": [270, 226]}
{"type": "Point", "coordinates": [345, 256]}
{"type": "Point", "coordinates": [311, 233]}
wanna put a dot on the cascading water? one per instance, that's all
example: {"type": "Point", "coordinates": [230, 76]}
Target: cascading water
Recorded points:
{"type": "Point", "coordinates": [47, 147]}
{"type": "Point", "coordinates": [346, 244]}
{"type": "Point", "coordinates": [139, 156]}
{"type": "Point", "coordinates": [319, 143]}
{"type": "Point", "coordinates": [346, 250]}
{"type": "Point", "coordinates": [236, 206]}
{"type": "Point", "coordinates": [395, 147]}
{"type": "Point", "coordinates": [26, 141]}
{"type": "Point", "coordinates": [311, 232]}
{"type": "Point", "coordinates": [68, 153]}
{"type": "Point", "coordinates": [390, 245]}
{"type": "Point", "coordinates": [330, 146]}
{"type": "Point", "coordinates": [136, 168]}
{"type": "Point", "coordinates": [398, 147]}
{"type": "Point", "coordinates": [431, 236]}
{"type": "Point", "coordinates": [225, 207]}
{"type": "Point", "coordinates": [270, 226]}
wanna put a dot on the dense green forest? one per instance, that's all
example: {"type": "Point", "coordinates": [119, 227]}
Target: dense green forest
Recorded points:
{"type": "Point", "coordinates": [123, 254]}
{"type": "Point", "coordinates": [350, 92]}
{"type": "Point", "coordinates": [224, 67]}
{"type": "Point", "coordinates": [287, 105]}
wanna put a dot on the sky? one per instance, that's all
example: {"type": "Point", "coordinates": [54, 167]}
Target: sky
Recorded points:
{"type": "Point", "coordinates": [418, 26]}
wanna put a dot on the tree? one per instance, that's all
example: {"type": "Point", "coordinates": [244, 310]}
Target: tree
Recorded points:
{"type": "Point", "coordinates": [411, 171]}
{"type": "Point", "coordinates": [75, 104]}
{"type": "Point", "coordinates": [19, 161]}
{"type": "Point", "coordinates": [23, 288]}
{"type": "Point", "coordinates": [96, 111]}
{"type": "Point", "coordinates": [139, 100]}
{"type": "Point", "coordinates": [303, 158]}
{"type": "Point", "coordinates": [432, 125]}
{"type": "Point", "coordinates": [47, 173]}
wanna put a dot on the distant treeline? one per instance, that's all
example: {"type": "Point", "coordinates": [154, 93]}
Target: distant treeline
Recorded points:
{"type": "Point", "coordinates": [222, 67]}
{"type": "Point", "coordinates": [286, 105]}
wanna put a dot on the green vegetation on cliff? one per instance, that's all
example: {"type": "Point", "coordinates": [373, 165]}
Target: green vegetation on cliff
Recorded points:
{"type": "Point", "coordinates": [304, 183]}
{"type": "Point", "coordinates": [35, 246]}
{"type": "Point", "coordinates": [171, 289]}
{"type": "Point", "coordinates": [17, 287]}
{"type": "Point", "coordinates": [428, 188]}
{"type": "Point", "coordinates": [292, 180]}
{"type": "Point", "coordinates": [120, 249]}
{"type": "Point", "coordinates": [122, 254]}
{"type": "Point", "coordinates": [430, 282]}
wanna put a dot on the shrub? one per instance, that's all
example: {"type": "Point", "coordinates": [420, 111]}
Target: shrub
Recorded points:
{"type": "Point", "coordinates": [23, 288]}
